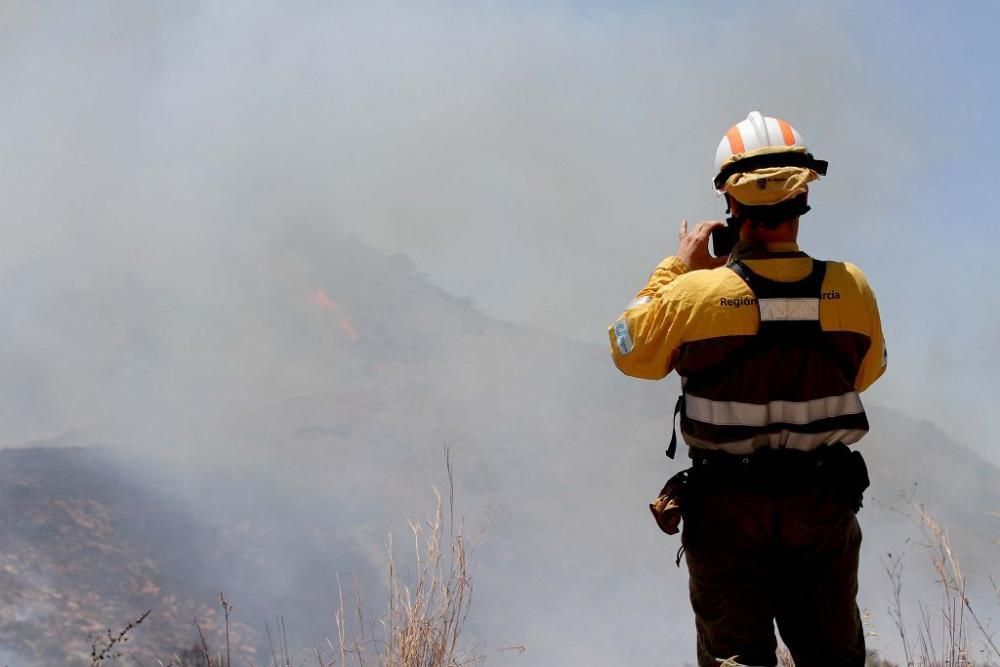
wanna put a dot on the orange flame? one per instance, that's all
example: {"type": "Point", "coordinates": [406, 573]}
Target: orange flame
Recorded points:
{"type": "Point", "coordinates": [326, 303]}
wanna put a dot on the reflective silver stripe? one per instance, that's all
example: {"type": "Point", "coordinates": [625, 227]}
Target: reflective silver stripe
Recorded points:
{"type": "Point", "coordinates": [732, 413]}
{"type": "Point", "coordinates": [788, 309]}
{"type": "Point", "coordinates": [640, 301]}
{"type": "Point", "coordinates": [801, 441]}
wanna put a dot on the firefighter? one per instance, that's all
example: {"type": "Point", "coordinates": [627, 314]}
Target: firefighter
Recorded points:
{"type": "Point", "coordinates": [773, 348]}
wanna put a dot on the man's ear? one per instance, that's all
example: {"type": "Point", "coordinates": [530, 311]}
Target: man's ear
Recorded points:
{"type": "Point", "coordinates": [732, 206]}
{"type": "Point", "coordinates": [746, 229]}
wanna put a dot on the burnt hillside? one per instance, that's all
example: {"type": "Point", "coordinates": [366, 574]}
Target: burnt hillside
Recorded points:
{"type": "Point", "coordinates": [84, 549]}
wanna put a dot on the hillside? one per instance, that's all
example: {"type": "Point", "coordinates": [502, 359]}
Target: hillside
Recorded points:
{"type": "Point", "coordinates": [83, 549]}
{"type": "Point", "coordinates": [264, 432]}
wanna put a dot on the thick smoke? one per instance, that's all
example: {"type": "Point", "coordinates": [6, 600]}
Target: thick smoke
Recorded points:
{"type": "Point", "coordinates": [180, 180]}
{"type": "Point", "coordinates": [534, 159]}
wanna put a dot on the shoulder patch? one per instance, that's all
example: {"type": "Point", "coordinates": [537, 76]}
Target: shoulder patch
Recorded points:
{"type": "Point", "coordinates": [622, 337]}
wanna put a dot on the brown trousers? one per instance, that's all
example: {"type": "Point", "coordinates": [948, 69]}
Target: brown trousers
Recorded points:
{"type": "Point", "coordinates": [757, 558]}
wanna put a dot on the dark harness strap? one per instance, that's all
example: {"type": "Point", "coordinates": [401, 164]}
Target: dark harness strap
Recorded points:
{"type": "Point", "coordinates": [765, 288]}
{"type": "Point", "coordinates": [810, 287]}
{"type": "Point", "coordinates": [672, 447]}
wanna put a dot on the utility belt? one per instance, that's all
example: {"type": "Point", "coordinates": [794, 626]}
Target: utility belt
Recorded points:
{"type": "Point", "coordinates": [782, 470]}
{"type": "Point", "coordinates": [774, 472]}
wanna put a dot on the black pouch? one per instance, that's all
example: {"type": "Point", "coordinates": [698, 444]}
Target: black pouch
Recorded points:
{"type": "Point", "coordinates": [857, 479]}
{"type": "Point", "coordinates": [845, 474]}
{"type": "Point", "coordinates": [668, 506]}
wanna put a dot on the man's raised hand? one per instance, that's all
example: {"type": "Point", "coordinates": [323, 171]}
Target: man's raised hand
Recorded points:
{"type": "Point", "coordinates": [693, 246]}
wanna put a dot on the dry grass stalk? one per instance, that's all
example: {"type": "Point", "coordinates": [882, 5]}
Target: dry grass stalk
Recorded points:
{"type": "Point", "coordinates": [205, 653]}
{"type": "Point", "coordinates": [425, 617]}
{"type": "Point", "coordinates": [955, 604]}
{"type": "Point", "coordinates": [894, 569]}
{"type": "Point", "coordinates": [227, 610]}
{"type": "Point", "coordinates": [109, 647]}
{"type": "Point", "coordinates": [285, 659]}
{"type": "Point", "coordinates": [942, 640]}
{"type": "Point", "coordinates": [426, 612]}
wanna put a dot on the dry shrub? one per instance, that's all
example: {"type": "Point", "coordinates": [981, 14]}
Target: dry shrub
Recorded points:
{"type": "Point", "coordinates": [426, 612]}
{"type": "Point", "coordinates": [110, 647]}
{"type": "Point", "coordinates": [942, 639]}
{"type": "Point", "coordinates": [425, 616]}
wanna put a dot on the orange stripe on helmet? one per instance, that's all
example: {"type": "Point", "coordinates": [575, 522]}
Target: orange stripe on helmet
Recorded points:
{"type": "Point", "coordinates": [786, 132]}
{"type": "Point", "coordinates": [735, 140]}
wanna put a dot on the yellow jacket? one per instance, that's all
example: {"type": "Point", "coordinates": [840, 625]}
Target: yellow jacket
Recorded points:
{"type": "Point", "coordinates": [691, 321]}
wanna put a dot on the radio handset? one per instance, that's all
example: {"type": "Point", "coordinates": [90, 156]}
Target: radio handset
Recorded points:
{"type": "Point", "coordinates": [725, 238]}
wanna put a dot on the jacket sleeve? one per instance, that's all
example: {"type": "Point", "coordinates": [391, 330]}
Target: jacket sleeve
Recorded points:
{"type": "Point", "coordinates": [644, 340]}
{"type": "Point", "coordinates": [874, 363]}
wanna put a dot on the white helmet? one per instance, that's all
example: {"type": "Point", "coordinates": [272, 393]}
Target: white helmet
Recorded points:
{"type": "Point", "coordinates": [760, 142]}
{"type": "Point", "coordinates": [756, 132]}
